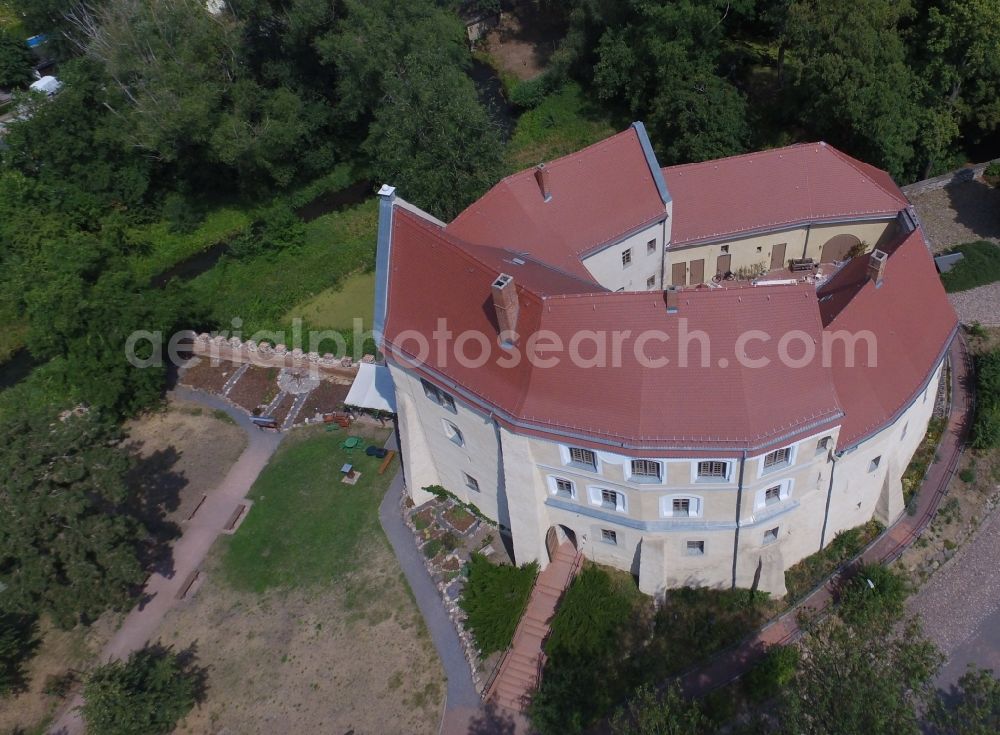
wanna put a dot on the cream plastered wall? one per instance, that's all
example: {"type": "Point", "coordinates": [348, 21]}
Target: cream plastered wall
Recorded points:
{"type": "Point", "coordinates": [606, 265]}
{"type": "Point", "coordinates": [648, 541]}
{"type": "Point", "coordinates": [750, 251]}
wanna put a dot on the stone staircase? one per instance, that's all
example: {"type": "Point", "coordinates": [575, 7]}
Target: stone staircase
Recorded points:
{"type": "Point", "coordinates": [521, 666]}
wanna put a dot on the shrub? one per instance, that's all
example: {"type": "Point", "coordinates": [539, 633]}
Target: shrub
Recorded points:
{"type": "Point", "coordinates": [979, 266]}
{"type": "Point", "coordinates": [772, 674]}
{"type": "Point", "coordinates": [806, 574]}
{"type": "Point", "coordinates": [432, 548]}
{"type": "Point", "coordinates": [18, 640]}
{"type": "Point", "coordinates": [182, 216]}
{"type": "Point", "coordinates": [986, 425]}
{"type": "Point", "coordinates": [275, 229]}
{"type": "Point", "coordinates": [493, 600]}
{"type": "Point", "coordinates": [145, 695]}
{"type": "Point", "coordinates": [875, 594]}
{"type": "Point", "coordinates": [992, 170]}
{"type": "Point", "coordinates": [967, 475]}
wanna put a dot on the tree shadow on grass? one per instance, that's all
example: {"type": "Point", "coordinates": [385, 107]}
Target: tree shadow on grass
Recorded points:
{"type": "Point", "coordinates": [976, 205]}
{"type": "Point", "coordinates": [18, 641]}
{"type": "Point", "coordinates": [155, 493]}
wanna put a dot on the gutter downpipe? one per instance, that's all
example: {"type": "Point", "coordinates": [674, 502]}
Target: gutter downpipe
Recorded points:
{"type": "Point", "coordinates": [739, 507]}
{"type": "Point", "coordinates": [805, 246]}
{"type": "Point", "coordinates": [829, 496]}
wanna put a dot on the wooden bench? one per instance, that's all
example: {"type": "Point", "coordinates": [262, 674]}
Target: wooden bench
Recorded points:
{"type": "Point", "coordinates": [186, 587]}
{"type": "Point", "coordinates": [231, 523]}
{"type": "Point", "coordinates": [801, 264]}
{"type": "Point", "coordinates": [385, 462]}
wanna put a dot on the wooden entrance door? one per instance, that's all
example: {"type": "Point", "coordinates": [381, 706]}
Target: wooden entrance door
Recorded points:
{"type": "Point", "coordinates": [678, 274]}
{"type": "Point", "coordinates": [837, 248]}
{"type": "Point", "coordinates": [778, 256]}
{"type": "Point", "coordinates": [724, 264]}
{"type": "Point", "coordinates": [697, 271]}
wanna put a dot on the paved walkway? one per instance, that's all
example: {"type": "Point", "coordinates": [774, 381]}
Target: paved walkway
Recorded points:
{"type": "Point", "coordinates": [731, 663]}
{"type": "Point", "coordinates": [968, 632]}
{"type": "Point", "coordinates": [188, 552]}
{"type": "Point", "coordinates": [981, 304]}
{"type": "Point", "coordinates": [522, 665]}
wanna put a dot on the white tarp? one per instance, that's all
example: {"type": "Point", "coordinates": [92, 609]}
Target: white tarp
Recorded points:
{"type": "Point", "coordinates": [46, 85]}
{"type": "Point", "coordinates": [372, 388]}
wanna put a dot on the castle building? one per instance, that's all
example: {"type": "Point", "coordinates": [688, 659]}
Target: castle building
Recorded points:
{"type": "Point", "coordinates": [699, 374]}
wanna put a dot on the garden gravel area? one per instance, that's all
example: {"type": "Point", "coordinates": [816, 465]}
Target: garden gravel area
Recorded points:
{"type": "Point", "coordinates": [959, 213]}
{"type": "Point", "coordinates": [978, 305]}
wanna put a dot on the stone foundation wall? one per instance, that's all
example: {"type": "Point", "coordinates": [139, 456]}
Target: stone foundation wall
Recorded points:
{"type": "Point", "coordinates": [262, 354]}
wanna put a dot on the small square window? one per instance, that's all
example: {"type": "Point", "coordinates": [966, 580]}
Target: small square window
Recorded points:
{"type": "Point", "coordinates": [645, 469]}
{"type": "Point", "coordinates": [771, 535]}
{"type": "Point", "coordinates": [760, 248]}
{"type": "Point", "coordinates": [626, 257]}
{"type": "Point", "coordinates": [608, 536]}
{"type": "Point", "coordinates": [471, 482]}
{"type": "Point", "coordinates": [609, 499]}
{"type": "Point", "coordinates": [564, 488]}
{"type": "Point", "coordinates": [823, 445]}
{"type": "Point", "coordinates": [772, 495]}
{"type": "Point", "coordinates": [725, 249]}
{"type": "Point", "coordinates": [875, 463]}
{"type": "Point", "coordinates": [681, 507]}
{"type": "Point", "coordinates": [651, 247]}
{"type": "Point", "coordinates": [712, 469]}
{"type": "Point", "coordinates": [777, 458]}
{"type": "Point", "coordinates": [453, 433]}
{"type": "Point", "coordinates": [583, 457]}
{"type": "Point", "coordinates": [695, 548]}
{"type": "Point", "coordinates": [651, 282]}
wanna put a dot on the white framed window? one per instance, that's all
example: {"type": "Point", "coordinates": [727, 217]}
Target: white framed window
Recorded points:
{"type": "Point", "coordinates": [651, 282]}
{"type": "Point", "coordinates": [562, 488]}
{"type": "Point", "coordinates": [695, 548]}
{"type": "Point", "coordinates": [712, 470]}
{"type": "Point", "coordinates": [626, 257]}
{"type": "Point", "coordinates": [772, 496]}
{"type": "Point", "coordinates": [778, 458]}
{"type": "Point", "coordinates": [608, 499]}
{"type": "Point", "coordinates": [437, 395]}
{"type": "Point", "coordinates": [583, 458]}
{"type": "Point", "coordinates": [875, 463]}
{"type": "Point", "coordinates": [771, 535]}
{"type": "Point", "coordinates": [651, 247]}
{"type": "Point", "coordinates": [609, 537]}
{"type": "Point", "coordinates": [681, 506]}
{"type": "Point", "coordinates": [471, 482]}
{"type": "Point", "coordinates": [453, 432]}
{"type": "Point", "coordinates": [646, 470]}
{"type": "Point", "coordinates": [823, 445]}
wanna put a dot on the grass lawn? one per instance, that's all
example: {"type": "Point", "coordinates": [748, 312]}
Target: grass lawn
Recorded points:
{"type": "Point", "coordinates": [306, 527]}
{"type": "Point", "coordinates": [336, 307]}
{"type": "Point", "coordinates": [980, 266]}
{"type": "Point", "coordinates": [262, 290]}
{"type": "Point", "coordinates": [563, 123]}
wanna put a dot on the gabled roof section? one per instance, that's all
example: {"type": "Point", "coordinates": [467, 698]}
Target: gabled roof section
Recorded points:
{"type": "Point", "coordinates": [912, 324]}
{"type": "Point", "coordinates": [599, 195]}
{"type": "Point", "coordinates": [798, 184]}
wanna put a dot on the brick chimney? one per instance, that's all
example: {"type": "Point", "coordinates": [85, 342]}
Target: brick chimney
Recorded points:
{"type": "Point", "coordinates": [672, 296]}
{"type": "Point", "coordinates": [876, 266]}
{"type": "Point", "coordinates": [542, 177]}
{"type": "Point", "coordinates": [505, 303]}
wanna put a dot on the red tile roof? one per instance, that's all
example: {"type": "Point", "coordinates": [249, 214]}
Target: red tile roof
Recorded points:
{"type": "Point", "coordinates": [809, 182]}
{"type": "Point", "coordinates": [912, 322]}
{"type": "Point", "coordinates": [712, 406]}
{"type": "Point", "coordinates": [599, 194]}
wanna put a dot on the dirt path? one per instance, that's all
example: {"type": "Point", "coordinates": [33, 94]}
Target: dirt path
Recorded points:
{"type": "Point", "coordinates": [188, 552]}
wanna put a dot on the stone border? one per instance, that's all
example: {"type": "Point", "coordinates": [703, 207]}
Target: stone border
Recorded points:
{"type": "Point", "coordinates": [966, 173]}
{"type": "Point", "coordinates": [262, 354]}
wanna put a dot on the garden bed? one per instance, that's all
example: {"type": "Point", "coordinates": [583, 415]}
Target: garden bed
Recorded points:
{"type": "Point", "coordinates": [328, 397]}
{"type": "Point", "coordinates": [256, 388]}
{"type": "Point", "coordinates": [204, 376]}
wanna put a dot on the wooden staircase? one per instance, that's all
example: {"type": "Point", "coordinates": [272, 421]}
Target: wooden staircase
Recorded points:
{"type": "Point", "coordinates": [521, 667]}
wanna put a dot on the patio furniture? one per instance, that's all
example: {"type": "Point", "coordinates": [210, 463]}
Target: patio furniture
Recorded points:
{"type": "Point", "coordinates": [347, 468]}
{"type": "Point", "coordinates": [801, 264]}
{"type": "Point", "coordinates": [376, 451]}
{"type": "Point", "coordinates": [350, 443]}
{"type": "Point", "coordinates": [385, 462]}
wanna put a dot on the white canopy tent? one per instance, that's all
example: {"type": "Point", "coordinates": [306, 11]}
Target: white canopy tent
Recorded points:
{"type": "Point", "coordinates": [372, 388]}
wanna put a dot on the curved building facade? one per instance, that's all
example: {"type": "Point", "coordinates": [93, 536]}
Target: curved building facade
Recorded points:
{"type": "Point", "coordinates": [698, 374]}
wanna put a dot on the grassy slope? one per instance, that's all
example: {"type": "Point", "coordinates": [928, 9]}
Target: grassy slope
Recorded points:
{"type": "Point", "coordinates": [336, 307]}
{"type": "Point", "coordinates": [262, 290]}
{"type": "Point", "coordinates": [306, 527]}
{"type": "Point", "coordinates": [564, 122]}
{"type": "Point", "coordinates": [980, 267]}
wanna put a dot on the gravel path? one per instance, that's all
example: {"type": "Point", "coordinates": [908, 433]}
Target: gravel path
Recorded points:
{"type": "Point", "coordinates": [960, 605]}
{"type": "Point", "coordinates": [959, 213]}
{"type": "Point", "coordinates": [978, 305]}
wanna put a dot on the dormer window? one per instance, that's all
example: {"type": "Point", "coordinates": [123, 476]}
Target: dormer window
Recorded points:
{"type": "Point", "coordinates": [583, 458]}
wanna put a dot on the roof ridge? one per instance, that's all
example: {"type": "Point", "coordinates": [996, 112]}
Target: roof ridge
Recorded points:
{"type": "Point", "coordinates": [852, 162]}
{"type": "Point", "coordinates": [748, 154]}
